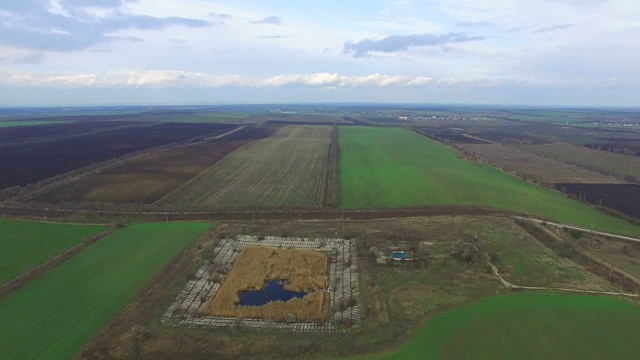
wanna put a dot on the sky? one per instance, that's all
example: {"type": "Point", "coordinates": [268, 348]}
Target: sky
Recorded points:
{"type": "Point", "coordinates": [515, 52]}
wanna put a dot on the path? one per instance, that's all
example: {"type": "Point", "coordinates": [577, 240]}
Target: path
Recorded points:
{"type": "Point", "coordinates": [578, 228]}
{"type": "Point", "coordinates": [511, 286]}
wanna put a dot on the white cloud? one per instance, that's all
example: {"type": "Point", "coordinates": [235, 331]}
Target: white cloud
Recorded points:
{"type": "Point", "coordinates": [185, 79]}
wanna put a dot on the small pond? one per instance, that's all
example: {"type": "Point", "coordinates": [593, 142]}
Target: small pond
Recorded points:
{"type": "Point", "coordinates": [273, 290]}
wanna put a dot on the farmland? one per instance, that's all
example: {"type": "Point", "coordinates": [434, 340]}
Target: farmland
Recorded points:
{"type": "Point", "coordinates": [622, 197]}
{"type": "Point", "coordinates": [24, 164]}
{"type": "Point", "coordinates": [520, 326]}
{"type": "Point", "coordinates": [623, 166]}
{"type": "Point", "coordinates": [43, 133]}
{"type": "Point", "coordinates": [13, 124]}
{"type": "Point", "coordinates": [311, 206]}
{"type": "Point", "coordinates": [449, 270]}
{"type": "Point", "coordinates": [263, 173]}
{"type": "Point", "coordinates": [386, 168]}
{"type": "Point", "coordinates": [26, 244]}
{"type": "Point", "coordinates": [55, 315]}
{"type": "Point", "coordinates": [149, 178]}
{"type": "Point", "coordinates": [535, 167]}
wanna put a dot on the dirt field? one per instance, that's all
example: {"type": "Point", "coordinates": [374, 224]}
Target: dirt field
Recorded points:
{"type": "Point", "coordinates": [17, 135]}
{"type": "Point", "coordinates": [24, 164]}
{"type": "Point", "coordinates": [149, 178]}
{"type": "Point", "coordinates": [623, 166]}
{"type": "Point", "coordinates": [286, 169]}
{"type": "Point", "coordinates": [302, 270]}
{"type": "Point", "coordinates": [535, 167]}
{"type": "Point", "coordinates": [622, 197]}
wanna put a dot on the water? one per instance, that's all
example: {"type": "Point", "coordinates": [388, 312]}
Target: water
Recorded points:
{"type": "Point", "coordinates": [400, 255]}
{"type": "Point", "coordinates": [271, 291]}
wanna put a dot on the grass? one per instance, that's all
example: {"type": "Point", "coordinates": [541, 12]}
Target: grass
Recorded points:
{"type": "Point", "coordinates": [285, 170]}
{"type": "Point", "coordinates": [25, 244]}
{"type": "Point", "coordinates": [56, 314]}
{"type": "Point", "coordinates": [303, 271]}
{"type": "Point", "coordinates": [395, 168]}
{"type": "Point", "coordinates": [8, 124]}
{"type": "Point", "coordinates": [604, 161]}
{"type": "Point", "coordinates": [529, 326]}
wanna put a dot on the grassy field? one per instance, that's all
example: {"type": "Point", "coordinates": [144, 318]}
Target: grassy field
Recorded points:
{"type": "Point", "coordinates": [25, 244]}
{"type": "Point", "coordinates": [529, 326]}
{"type": "Point", "coordinates": [56, 314]}
{"type": "Point", "coordinates": [607, 162]}
{"type": "Point", "coordinates": [536, 167]}
{"type": "Point", "coordinates": [393, 167]}
{"type": "Point", "coordinates": [8, 124]}
{"type": "Point", "coordinates": [286, 169]}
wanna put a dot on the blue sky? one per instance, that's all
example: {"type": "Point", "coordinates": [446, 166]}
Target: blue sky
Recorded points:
{"type": "Point", "coordinates": [530, 52]}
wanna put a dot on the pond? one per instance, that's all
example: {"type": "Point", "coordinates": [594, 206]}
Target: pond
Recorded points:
{"type": "Point", "coordinates": [273, 290]}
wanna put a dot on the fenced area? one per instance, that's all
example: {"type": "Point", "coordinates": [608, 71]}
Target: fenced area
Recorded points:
{"type": "Point", "coordinates": [191, 306]}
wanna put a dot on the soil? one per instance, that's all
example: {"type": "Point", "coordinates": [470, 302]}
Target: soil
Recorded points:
{"type": "Point", "coordinates": [622, 197]}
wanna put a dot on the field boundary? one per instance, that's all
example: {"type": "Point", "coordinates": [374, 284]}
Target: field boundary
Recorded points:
{"type": "Point", "coordinates": [331, 174]}
{"type": "Point", "coordinates": [25, 278]}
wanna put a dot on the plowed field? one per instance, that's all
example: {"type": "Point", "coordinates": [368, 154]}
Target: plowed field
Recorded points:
{"type": "Point", "coordinates": [286, 169]}
{"type": "Point", "coordinates": [149, 178]}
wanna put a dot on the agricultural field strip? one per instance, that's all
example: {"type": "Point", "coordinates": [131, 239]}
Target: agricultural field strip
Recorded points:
{"type": "Point", "coordinates": [599, 160]}
{"type": "Point", "coordinates": [377, 172]}
{"type": "Point", "coordinates": [26, 244]}
{"type": "Point", "coordinates": [10, 124]}
{"type": "Point", "coordinates": [526, 325]}
{"type": "Point", "coordinates": [190, 304]}
{"type": "Point", "coordinates": [27, 164]}
{"type": "Point", "coordinates": [286, 169]}
{"type": "Point", "coordinates": [536, 167]}
{"type": "Point", "coordinates": [56, 314]}
{"type": "Point", "coordinates": [92, 170]}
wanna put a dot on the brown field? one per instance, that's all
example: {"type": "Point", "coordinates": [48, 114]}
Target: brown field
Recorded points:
{"type": "Point", "coordinates": [303, 271]}
{"type": "Point", "coordinates": [148, 178]}
{"type": "Point", "coordinates": [623, 166]}
{"type": "Point", "coordinates": [285, 170]}
{"type": "Point", "coordinates": [535, 167]}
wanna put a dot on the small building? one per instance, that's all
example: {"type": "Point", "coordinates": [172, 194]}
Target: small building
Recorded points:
{"type": "Point", "coordinates": [401, 256]}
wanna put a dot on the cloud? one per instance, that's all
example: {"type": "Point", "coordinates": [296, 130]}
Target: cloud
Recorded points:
{"type": "Point", "coordinates": [162, 79]}
{"type": "Point", "coordinates": [474, 23]}
{"type": "Point", "coordinates": [274, 37]}
{"type": "Point", "coordinates": [22, 59]}
{"type": "Point", "coordinates": [272, 20]}
{"type": "Point", "coordinates": [552, 28]}
{"type": "Point", "coordinates": [71, 25]}
{"type": "Point", "coordinates": [396, 43]}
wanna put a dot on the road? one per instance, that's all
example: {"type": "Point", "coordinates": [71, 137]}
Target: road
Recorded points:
{"type": "Point", "coordinates": [628, 238]}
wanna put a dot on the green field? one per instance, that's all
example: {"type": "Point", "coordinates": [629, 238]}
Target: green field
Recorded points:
{"type": "Point", "coordinates": [394, 168]}
{"type": "Point", "coordinates": [529, 326]}
{"type": "Point", "coordinates": [56, 314]}
{"type": "Point", "coordinates": [7, 124]}
{"type": "Point", "coordinates": [25, 244]}
{"type": "Point", "coordinates": [599, 160]}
